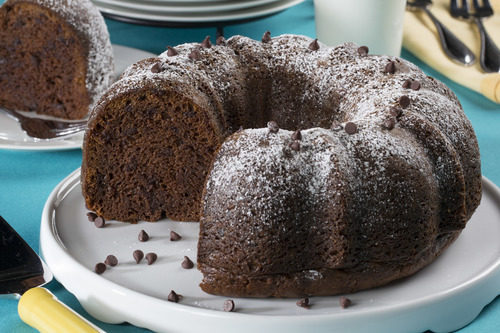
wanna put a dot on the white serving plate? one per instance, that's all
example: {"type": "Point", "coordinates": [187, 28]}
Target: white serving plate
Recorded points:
{"type": "Point", "coordinates": [185, 8]}
{"type": "Point", "coordinates": [443, 297]}
{"type": "Point", "coordinates": [13, 138]}
{"type": "Point", "coordinates": [196, 17]}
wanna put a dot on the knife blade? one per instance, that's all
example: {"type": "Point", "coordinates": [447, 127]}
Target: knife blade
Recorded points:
{"type": "Point", "coordinates": [22, 273]}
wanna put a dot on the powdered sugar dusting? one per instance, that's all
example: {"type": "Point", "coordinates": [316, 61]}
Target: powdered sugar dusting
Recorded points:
{"type": "Point", "coordinates": [86, 19]}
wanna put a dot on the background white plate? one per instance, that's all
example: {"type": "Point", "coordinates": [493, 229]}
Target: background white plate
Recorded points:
{"type": "Point", "coordinates": [197, 17]}
{"type": "Point", "coordinates": [443, 297]}
{"type": "Point", "coordinates": [13, 138]}
{"type": "Point", "coordinates": [184, 8]}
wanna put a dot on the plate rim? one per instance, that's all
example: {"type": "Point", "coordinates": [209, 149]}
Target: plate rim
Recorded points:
{"type": "Point", "coordinates": [220, 17]}
{"type": "Point", "coordinates": [49, 237]}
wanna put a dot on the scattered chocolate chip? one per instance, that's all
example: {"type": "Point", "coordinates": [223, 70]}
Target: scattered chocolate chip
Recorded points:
{"type": "Point", "coordinates": [404, 101]}
{"type": "Point", "coordinates": [273, 127]}
{"type": "Point", "coordinates": [314, 46]}
{"type": "Point", "coordinates": [173, 297]}
{"type": "Point", "coordinates": [407, 83]}
{"type": "Point", "coordinates": [390, 67]}
{"type": "Point", "coordinates": [195, 55]}
{"type": "Point", "coordinates": [303, 303]}
{"type": "Point", "coordinates": [294, 145]}
{"type": "Point", "coordinates": [151, 257]}
{"type": "Point", "coordinates": [99, 222]}
{"type": "Point", "coordinates": [174, 236]}
{"type": "Point", "coordinates": [111, 260]}
{"type": "Point", "coordinates": [228, 305]}
{"type": "Point", "coordinates": [395, 111]}
{"type": "Point", "coordinates": [345, 302]}
{"type": "Point", "coordinates": [220, 40]}
{"type": "Point", "coordinates": [156, 68]}
{"type": "Point", "coordinates": [350, 128]}
{"type": "Point", "coordinates": [187, 263]}
{"type": "Point", "coordinates": [297, 135]}
{"type": "Point", "coordinates": [138, 255]}
{"type": "Point", "coordinates": [336, 125]}
{"type": "Point", "coordinates": [91, 216]}
{"type": "Point", "coordinates": [389, 123]}
{"type": "Point", "coordinates": [100, 268]}
{"type": "Point", "coordinates": [415, 85]}
{"type": "Point", "coordinates": [266, 38]}
{"type": "Point", "coordinates": [171, 51]}
{"type": "Point", "coordinates": [206, 44]}
{"type": "Point", "coordinates": [143, 236]}
{"type": "Point", "coordinates": [363, 51]}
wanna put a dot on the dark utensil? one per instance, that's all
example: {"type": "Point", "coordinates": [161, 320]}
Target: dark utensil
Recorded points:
{"type": "Point", "coordinates": [452, 46]}
{"type": "Point", "coordinates": [22, 272]}
{"type": "Point", "coordinates": [489, 57]}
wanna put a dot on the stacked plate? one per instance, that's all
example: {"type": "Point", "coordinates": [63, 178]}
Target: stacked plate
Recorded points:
{"type": "Point", "coordinates": [191, 11]}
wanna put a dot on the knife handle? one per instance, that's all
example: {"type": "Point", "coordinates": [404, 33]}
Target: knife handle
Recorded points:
{"type": "Point", "coordinates": [40, 309]}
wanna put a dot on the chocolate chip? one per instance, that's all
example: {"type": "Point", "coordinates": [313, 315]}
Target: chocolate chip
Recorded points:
{"type": "Point", "coordinates": [171, 51]}
{"type": "Point", "coordinates": [404, 101]}
{"type": "Point", "coordinates": [273, 127]}
{"type": "Point", "coordinates": [156, 68]}
{"type": "Point", "coordinates": [350, 128]}
{"type": "Point", "coordinates": [100, 268]}
{"type": "Point", "coordinates": [174, 236]}
{"type": "Point", "coordinates": [389, 123]}
{"type": "Point", "coordinates": [395, 111]}
{"type": "Point", "coordinates": [266, 38]}
{"type": "Point", "coordinates": [143, 236]}
{"type": "Point", "coordinates": [220, 40]}
{"type": "Point", "coordinates": [336, 125]}
{"type": "Point", "coordinates": [206, 44]}
{"type": "Point", "coordinates": [297, 135]}
{"type": "Point", "coordinates": [151, 257]}
{"type": "Point", "coordinates": [99, 222]}
{"type": "Point", "coordinates": [345, 302]}
{"type": "Point", "coordinates": [303, 303]}
{"type": "Point", "coordinates": [407, 83]}
{"type": "Point", "coordinates": [173, 297]}
{"type": "Point", "coordinates": [187, 263]}
{"type": "Point", "coordinates": [363, 51]}
{"type": "Point", "coordinates": [91, 216]}
{"type": "Point", "coordinates": [138, 255]}
{"type": "Point", "coordinates": [111, 260]}
{"type": "Point", "coordinates": [390, 67]}
{"type": "Point", "coordinates": [195, 55]}
{"type": "Point", "coordinates": [415, 85]}
{"type": "Point", "coordinates": [294, 145]}
{"type": "Point", "coordinates": [228, 305]}
{"type": "Point", "coordinates": [314, 46]}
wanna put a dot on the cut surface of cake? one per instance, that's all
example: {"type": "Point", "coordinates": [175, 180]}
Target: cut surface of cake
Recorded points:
{"type": "Point", "coordinates": [313, 170]}
{"type": "Point", "coordinates": [55, 57]}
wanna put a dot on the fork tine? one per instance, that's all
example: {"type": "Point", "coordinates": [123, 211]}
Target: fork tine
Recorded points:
{"type": "Point", "coordinates": [476, 5]}
{"type": "Point", "coordinates": [454, 8]}
{"type": "Point", "coordinates": [459, 10]}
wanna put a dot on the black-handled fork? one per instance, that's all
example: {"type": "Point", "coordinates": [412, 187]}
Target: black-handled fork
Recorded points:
{"type": "Point", "coordinates": [489, 57]}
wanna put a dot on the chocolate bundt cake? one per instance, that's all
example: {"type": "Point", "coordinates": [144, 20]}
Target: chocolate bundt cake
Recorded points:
{"type": "Point", "coordinates": [55, 56]}
{"type": "Point", "coordinates": [382, 176]}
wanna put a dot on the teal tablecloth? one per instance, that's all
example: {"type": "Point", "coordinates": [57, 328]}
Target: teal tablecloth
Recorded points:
{"type": "Point", "coordinates": [27, 178]}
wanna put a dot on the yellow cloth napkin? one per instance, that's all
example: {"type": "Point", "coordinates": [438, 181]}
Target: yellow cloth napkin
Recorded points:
{"type": "Point", "coordinates": [420, 37]}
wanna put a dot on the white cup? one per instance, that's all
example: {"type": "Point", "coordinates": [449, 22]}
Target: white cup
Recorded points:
{"type": "Point", "coordinates": [377, 24]}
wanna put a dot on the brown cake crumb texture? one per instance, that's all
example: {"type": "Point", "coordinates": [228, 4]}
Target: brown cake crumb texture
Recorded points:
{"type": "Point", "coordinates": [382, 178]}
{"type": "Point", "coordinates": [55, 56]}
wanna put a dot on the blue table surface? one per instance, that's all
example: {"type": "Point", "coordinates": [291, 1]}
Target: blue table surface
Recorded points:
{"type": "Point", "coordinates": [27, 178]}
